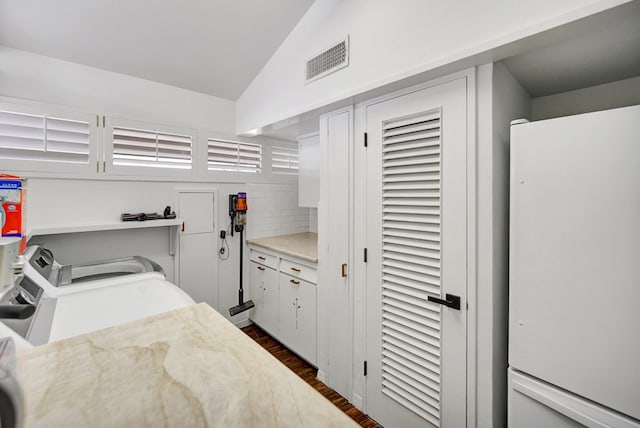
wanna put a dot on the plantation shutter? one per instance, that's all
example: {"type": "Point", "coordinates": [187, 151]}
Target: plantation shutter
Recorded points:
{"type": "Point", "coordinates": [284, 160]}
{"type": "Point", "coordinates": [43, 138]}
{"type": "Point", "coordinates": [234, 156]}
{"type": "Point", "coordinates": [411, 160]}
{"type": "Point", "coordinates": [137, 147]}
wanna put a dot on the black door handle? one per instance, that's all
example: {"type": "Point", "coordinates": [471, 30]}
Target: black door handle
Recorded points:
{"type": "Point", "coordinates": [450, 301]}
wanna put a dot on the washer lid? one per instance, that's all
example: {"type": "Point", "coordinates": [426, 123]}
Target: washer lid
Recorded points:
{"type": "Point", "coordinates": [91, 310]}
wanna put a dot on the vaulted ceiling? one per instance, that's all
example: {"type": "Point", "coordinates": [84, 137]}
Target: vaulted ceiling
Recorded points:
{"type": "Point", "coordinates": [214, 47]}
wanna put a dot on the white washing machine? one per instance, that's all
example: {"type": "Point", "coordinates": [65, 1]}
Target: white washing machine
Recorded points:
{"type": "Point", "coordinates": [126, 290]}
{"type": "Point", "coordinates": [57, 279]}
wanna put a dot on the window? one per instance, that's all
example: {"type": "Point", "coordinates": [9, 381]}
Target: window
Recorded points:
{"type": "Point", "coordinates": [284, 160]}
{"type": "Point", "coordinates": [148, 148]}
{"type": "Point", "coordinates": [35, 137]}
{"type": "Point", "coordinates": [233, 156]}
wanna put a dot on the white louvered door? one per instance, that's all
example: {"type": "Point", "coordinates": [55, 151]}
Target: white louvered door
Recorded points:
{"type": "Point", "coordinates": [416, 241]}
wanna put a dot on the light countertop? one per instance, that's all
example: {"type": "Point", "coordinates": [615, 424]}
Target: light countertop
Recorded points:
{"type": "Point", "coordinates": [189, 367]}
{"type": "Point", "coordinates": [301, 245]}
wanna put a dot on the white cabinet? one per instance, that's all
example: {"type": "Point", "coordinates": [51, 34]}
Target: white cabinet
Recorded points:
{"type": "Point", "coordinates": [263, 289]}
{"type": "Point", "coordinates": [284, 292]}
{"type": "Point", "coordinates": [335, 326]}
{"type": "Point", "coordinates": [298, 316]}
{"type": "Point", "coordinates": [197, 261]}
{"type": "Point", "coordinates": [197, 211]}
{"type": "Point", "coordinates": [309, 172]}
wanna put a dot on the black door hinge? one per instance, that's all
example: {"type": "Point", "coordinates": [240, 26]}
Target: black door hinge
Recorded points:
{"type": "Point", "coordinates": [365, 255]}
{"type": "Point", "coordinates": [366, 139]}
{"type": "Point", "coordinates": [365, 368]}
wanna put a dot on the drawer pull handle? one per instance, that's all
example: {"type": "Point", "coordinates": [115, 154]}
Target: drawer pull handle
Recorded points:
{"type": "Point", "coordinates": [262, 258]}
{"type": "Point", "coordinates": [260, 268]}
{"type": "Point", "coordinates": [294, 282]}
{"type": "Point", "coordinates": [344, 270]}
{"type": "Point", "coordinates": [295, 269]}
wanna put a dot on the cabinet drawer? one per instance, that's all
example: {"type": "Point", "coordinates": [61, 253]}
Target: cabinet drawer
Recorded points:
{"type": "Point", "coordinates": [264, 258]}
{"type": "Point", "coordinates": [298, 270]}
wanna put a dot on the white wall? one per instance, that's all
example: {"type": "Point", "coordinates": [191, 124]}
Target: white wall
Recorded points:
{"type": "Point", "coordinates": [39, 78]}
{"type": "Point", "coordinates": [313, 220]}
{"type": "Point", "coordinates": [55, 200]}
{"type": "Point", "coordinates": [601, 97]}
{"type": "Point", "coordinates": [500, 100]}
{"type": "Point", "coordinates": [390, 41]}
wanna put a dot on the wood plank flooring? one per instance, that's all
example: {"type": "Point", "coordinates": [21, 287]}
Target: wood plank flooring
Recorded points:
{"type": "Point", "coordinates": [307, 373]}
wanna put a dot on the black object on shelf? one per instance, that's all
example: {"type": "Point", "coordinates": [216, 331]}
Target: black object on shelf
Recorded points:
{"type": "Point", "coordinates": [139, 216]}
{"type": "Point", "coordinates": [168, 213]}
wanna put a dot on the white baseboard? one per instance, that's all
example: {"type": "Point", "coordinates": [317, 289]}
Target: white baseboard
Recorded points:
{"type": "Point", "coordinates": [322, 377]}
{"type": "Point", "coordinates": [358, 402]}
{"type": "Point", "coordinates": [243, 323]}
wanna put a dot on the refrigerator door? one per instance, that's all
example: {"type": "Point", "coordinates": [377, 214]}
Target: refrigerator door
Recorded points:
{"type": "Point", "coordinates": [575, 255]}
{"type": "Point", "coordinates": [534, 404]}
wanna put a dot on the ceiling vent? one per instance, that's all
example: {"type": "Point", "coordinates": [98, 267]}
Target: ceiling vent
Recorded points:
{"type": "Point", "coordinates": [332, 59]}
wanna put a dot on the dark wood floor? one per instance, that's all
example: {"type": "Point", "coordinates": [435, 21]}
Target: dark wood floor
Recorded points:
{"type": "Point", "coordinates": [307, 373]}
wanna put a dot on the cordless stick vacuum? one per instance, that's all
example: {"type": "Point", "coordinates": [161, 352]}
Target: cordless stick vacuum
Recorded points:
{"type": "Point", "coordinates": [238, 212]}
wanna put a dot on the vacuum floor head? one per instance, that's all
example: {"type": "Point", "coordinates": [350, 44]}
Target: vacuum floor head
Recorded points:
{"type": "Point", "coordinates": [241, 308]}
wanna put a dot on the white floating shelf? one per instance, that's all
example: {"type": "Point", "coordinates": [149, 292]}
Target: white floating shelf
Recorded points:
{"type": "Point", "coordinates": [95, 227]}
{"type": "Point", "coordinates": [120, 225]}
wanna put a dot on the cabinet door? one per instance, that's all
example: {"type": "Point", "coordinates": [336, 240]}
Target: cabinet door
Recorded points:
{"type": "Point", "coordinates": [263, 287]}
{"type": "Point", "coordinates": [335, 328]}
{"type": "Point", "coordinates": [287, 310]}
{"type": "Point", "coordinates": [198, 255]}
{"type": "Point", "coordinates": [309, 170]}
{"type": "Point", "coordinates": [256, 278]}
{"type": "Point", "coordinates": [270, 301]}
{"type": "Point", "coordinates": [306, 321]}
{"type": "Point", "coordinates": [298, 316]}
{"type": "Point", "coordinates": [196, 209]}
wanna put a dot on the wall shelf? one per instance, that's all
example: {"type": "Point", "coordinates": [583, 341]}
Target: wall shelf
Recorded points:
{"type": "Point", "coordinates": [120, 225]}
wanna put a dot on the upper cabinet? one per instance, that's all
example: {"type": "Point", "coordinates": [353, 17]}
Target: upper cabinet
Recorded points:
{"type": "Point", "coordinates": [309, 173]}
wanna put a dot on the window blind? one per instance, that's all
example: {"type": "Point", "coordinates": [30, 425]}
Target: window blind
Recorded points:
{"type": "Point", "coordinates": [284, 160]}
{"type": "Point", "coordinates": [234, 156]}
{"type": "Point", "coordinates": [43, 138]}
{"type": "Point", "coordinates": [138, 147]}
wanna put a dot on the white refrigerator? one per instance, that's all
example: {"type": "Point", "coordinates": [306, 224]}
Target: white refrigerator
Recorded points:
{"type": "Point", "coordinates": [574, 271]}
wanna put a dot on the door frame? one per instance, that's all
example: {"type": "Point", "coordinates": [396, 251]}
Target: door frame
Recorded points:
{"type": "Point", "coordinates": [359, 238]}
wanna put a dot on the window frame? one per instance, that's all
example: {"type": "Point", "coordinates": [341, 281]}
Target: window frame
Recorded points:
{"type": "Point", "coordinates": [109, 168]}
{"type": "Point", "coordinates": [257, 172]}
{"type": "Point", "coordinates": [289, 146]}
{"type": "Point", "coordinates": [57, 112]}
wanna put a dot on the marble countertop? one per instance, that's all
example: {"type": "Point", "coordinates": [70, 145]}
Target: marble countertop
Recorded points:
{"type": "Point", "coordinates": [188, 368]}
{"type": "Point", "coordinates": [301, 245]}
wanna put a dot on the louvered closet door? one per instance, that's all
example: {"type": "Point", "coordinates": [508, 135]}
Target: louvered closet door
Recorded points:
{"type": "Point", "coordinates": [416, 240]}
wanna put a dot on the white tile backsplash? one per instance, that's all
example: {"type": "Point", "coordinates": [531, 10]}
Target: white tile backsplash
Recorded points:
{"type": "Point", "coordinates": [313, 220]}
{"type": "Point", "coordinates": [273, 210]}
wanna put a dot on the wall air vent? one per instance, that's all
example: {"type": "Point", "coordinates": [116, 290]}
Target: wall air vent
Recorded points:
{"type": "Point", "coordinates": [332, 59]}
